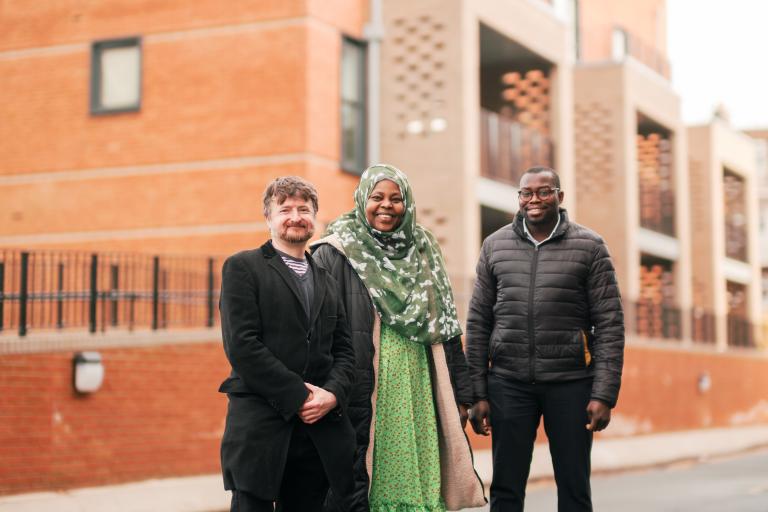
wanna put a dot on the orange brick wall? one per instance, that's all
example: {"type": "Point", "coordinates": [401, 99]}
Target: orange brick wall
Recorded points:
{"type": "Point", "coordinates": [597, 18]}
{"type": "Point", "coordinates": [158, 414]}
{"type": "Point", "coordinates": [659, 393]}
{"type": "Point", "coordinates": [231, 98]}
{"type": "Point", "coordinates": [26, 25]}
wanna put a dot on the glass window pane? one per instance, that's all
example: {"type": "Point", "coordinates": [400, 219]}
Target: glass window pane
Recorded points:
{"type": "Point", "coordinates": [120, 77]}
{"type": "Point", "coordinates": [619, 44]}
{"type": "Point", "coordinates": [351, 135]}
{"type": "Point", "coordinates": [351, 71]}
{"type": "Point", "coordinates": [353, 106]}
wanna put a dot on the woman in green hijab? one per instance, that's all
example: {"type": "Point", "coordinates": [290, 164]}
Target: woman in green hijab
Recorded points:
{"type": "Point", "coordinates": [410, 401]}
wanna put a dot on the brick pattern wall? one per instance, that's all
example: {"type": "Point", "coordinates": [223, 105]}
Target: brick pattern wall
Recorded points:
{"type": "Point", "coordinates": [703, 296]}
{"type": "Point", "coordinates": [418, 47]}
{"type": "Point", "coordinates": [158, 414]}
{"type": "Point", "coordinates": [659, 393]}
{"type": "Point", "coordinates": [593, 144]}
{"type": "Point", "coordinates": [526, 96]}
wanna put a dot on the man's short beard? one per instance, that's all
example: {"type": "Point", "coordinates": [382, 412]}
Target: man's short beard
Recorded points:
{"type": "Point", "coordinates": [297, 239]}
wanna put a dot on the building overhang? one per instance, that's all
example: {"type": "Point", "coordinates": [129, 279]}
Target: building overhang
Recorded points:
{"type": "Point", "coordinates": [496, 195]}
{"type": "Point", "coordinates": [658, 244]}
{"type": "Point", "coordinates": [737, 271]}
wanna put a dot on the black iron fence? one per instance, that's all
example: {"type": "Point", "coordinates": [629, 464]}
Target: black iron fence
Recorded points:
{"type": "Point", "coordinates": [47, 290]}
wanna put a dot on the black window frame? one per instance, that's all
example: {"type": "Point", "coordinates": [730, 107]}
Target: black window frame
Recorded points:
{"type": "Point", "coordinates": [97, 48]}
{"type": "Point", "coordinates": [361, 151]}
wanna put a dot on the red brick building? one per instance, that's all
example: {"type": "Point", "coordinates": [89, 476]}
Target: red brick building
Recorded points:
{"type": "Point", "coordinates": [135, 131]}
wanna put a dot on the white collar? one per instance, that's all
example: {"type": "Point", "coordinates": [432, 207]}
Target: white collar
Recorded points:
{"type": "Point", "coordinates": [536, 242]}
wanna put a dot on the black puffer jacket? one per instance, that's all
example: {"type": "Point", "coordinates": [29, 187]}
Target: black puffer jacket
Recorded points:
{"type": "Point", "coordinates": [546, 314]}
{"type": "Point", "coordinates": [360, 315]}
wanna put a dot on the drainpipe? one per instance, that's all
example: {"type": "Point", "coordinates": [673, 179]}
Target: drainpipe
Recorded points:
{"type": "Point", "coordinates": [374, 32]}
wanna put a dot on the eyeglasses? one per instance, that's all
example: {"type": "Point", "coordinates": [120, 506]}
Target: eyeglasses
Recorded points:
{"type": "Point", "coordinates": [543, 193]}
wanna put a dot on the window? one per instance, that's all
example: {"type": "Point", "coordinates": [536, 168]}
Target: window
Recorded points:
{"type": "Point", "coordinates": [353, 106]}
{"type": "Point", "coordinates": [116, 76]}
{"type": "Point", "coordinates": [619, 44]}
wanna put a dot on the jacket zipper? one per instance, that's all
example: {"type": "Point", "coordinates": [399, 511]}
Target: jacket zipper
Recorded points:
{"type": "Point", "coordinates": [531, 338]}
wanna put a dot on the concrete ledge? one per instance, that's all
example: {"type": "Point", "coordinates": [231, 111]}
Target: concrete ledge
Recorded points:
{"type": "Point", "coordinates": [190, 494]}
{"type": "Point", "coordinates": [72, 339]}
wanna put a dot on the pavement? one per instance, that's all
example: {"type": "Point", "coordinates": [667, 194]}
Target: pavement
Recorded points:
{"type": "Point", "coordinates": [205, 493]}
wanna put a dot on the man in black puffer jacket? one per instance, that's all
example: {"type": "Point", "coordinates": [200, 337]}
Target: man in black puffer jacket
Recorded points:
{"type": "Point", "coordinates": [545, 337]}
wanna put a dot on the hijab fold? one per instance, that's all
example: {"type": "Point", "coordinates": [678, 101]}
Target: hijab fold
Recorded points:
{"type": "Point", "coordinates": [402, 269]}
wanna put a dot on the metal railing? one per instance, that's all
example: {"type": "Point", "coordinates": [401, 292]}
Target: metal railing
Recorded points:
{"type": "Point", "coordinates": [658, 320]}
{"type": "Point", "coordinates": [740, 332]}
{"type": "Point", "coordinates": [646, 53]}
{"type": "Point", "coordinates": [47, 290]}
{"type": "Point", "coordinates": [665, 322]}
{"type": "Point", "coordinates": [703, 328]}
{"type": "Point", "coordinates": [508, 148]}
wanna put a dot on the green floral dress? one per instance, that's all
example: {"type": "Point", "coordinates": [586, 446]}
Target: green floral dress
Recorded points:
{"type": "Point", "coordinates": [406, 456]}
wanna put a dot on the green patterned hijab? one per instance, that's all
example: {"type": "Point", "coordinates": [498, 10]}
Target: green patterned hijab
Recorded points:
{"type": "Point", "coordinates": [403, 269]}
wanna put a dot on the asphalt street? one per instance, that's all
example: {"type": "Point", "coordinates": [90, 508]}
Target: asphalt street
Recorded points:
{"type": "Point", "coordinates": [738, 483]}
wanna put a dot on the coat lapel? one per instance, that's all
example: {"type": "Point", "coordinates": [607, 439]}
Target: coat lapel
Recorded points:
{"type": "Point", "coordinates": [276, 263]}
{"type": "Point", "coordinates": [317, 301]}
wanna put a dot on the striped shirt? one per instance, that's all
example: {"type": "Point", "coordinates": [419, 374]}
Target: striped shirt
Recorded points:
{"type": "Point", "coordinates": [302, 274]}
{"type": "Point", "coordinates": [298, 266]}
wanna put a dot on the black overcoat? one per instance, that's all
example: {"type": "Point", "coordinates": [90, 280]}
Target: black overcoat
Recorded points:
{"type": "Point", "coordinates": [273, 349]}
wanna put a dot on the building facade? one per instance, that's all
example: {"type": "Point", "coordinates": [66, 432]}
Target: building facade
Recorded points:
{"type": "Point", "coordinates": [156, 129]}
{"type": "Point", "coordinates": [136, 133]}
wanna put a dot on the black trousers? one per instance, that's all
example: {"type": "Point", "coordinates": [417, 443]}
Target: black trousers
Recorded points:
{"type": "Point", "coordinates": [304, 484]}
{"type": "Point", "coordinates": [516, 409]}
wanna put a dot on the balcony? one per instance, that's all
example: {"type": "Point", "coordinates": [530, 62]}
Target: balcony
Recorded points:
{"type": "Point", "coordinates": [628, 43]}
{"type": "Point", "coordinates": [508, 148]}
{"type": "Point", "coordinates": [657, 195]}
{"type": "Point", "coordinates": [739, 328]}
{"type": "Point", "coordinates": [660, 321]}
{"type": "Point", "coordinates": [656, 315]}
{"type": "Point", "coordinates": [515, 108]}
{"type": "Point", "coordinates": [734, 191]}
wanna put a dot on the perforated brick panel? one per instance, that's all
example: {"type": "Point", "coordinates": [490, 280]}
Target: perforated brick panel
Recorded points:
{"type": "Point", "coordinates": [418, 58]}
{"type": "Point", "coordinates": [594, 154]}
{"type": "Point", "coordinates": [527, 97]}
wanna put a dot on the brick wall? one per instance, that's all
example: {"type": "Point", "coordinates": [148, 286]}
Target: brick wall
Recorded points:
{"type": "Point", "coordinates": [659, 392]}
{"type": "Point", "coordinates": [231, 98]}
{"type": "Point", "coordinates": [158, 414]}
